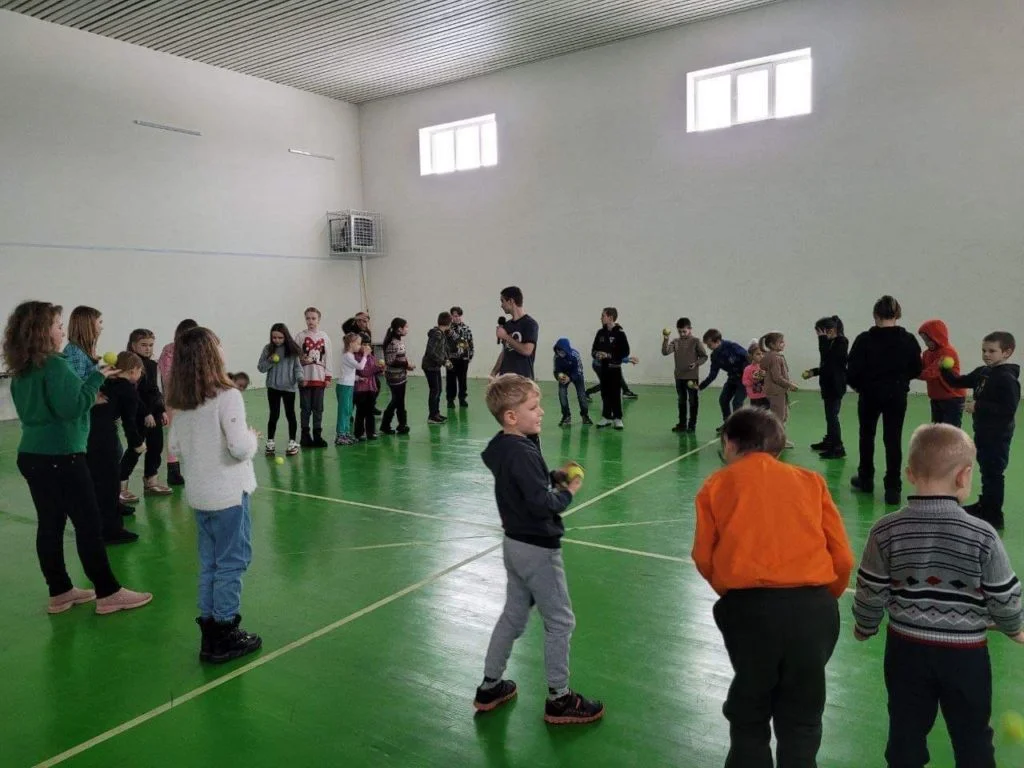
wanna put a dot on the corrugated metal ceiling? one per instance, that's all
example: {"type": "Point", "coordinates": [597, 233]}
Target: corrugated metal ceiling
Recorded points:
{"type": "Point", "coordinates": [360, 50]}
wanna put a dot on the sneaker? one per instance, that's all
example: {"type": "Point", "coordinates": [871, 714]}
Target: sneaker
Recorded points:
{"type": "Point", "coordinates": [150, 487]}
{"type": "Point", "coordinates": [630, 395]}
{"type": "Point", "coordinates": [402, 430]}
{"type": "Point", "coordinates": [306, 441]}
{"type": "Point", "coordinates": [174, 474]}
{"type": "Point", "coordinates": [618, 424]}
{"type": "Point", "coordinates": [821, 446]}
{"type": "Point", "coordinates": [292, 449]}
{"type": "Point", "coordinates": [271, 448]}
{"type": "Point", "coordinates": [127, 497]}
{"type": "Point", "coordinates": [387, 430]}
{"type": "Point", "coordinates": [451, 403]}
{"type": "Point", "coordinates": [435, 419]}
{"type": "Point", "coordinates": [68, 600]}
{"type": "Point", "coordinates": [691, 428]}
{"type": "Point", "coordinates": [565, 422]}
{"type": "Point", "coordinates": [572, 709]}
{"type": "Point", "coordinates": [893, 496]}
{"type": "Point", "coordinates": [122, 600]}
{"type": "Point", "coordinates": [585, 420]}
{"type": "Point", "coordinates": [318, 440]}
{"type": "Point", "coordinates": [487, 699]}
{"type": "Point", "coordinates": [604, 423]}
{"type": "Point", "coordinates": [123, 536]}
{"type": "Point", "coordinates": [465, 404]}
{"type": "Point", "coordinates": [124, 510]}
{"type": "Point", "coordinates": [833, 452]}
{"type": "Point", "coordinates": [230, 641]}
{"type": "Point", "coordinates": [339, 440]}
{"type": "Point", "coordinates": [679, 428]}
{"type": "Point", "coordinates": [858, 483]}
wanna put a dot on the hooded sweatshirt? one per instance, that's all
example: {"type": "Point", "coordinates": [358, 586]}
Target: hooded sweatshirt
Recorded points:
{"type": "Point", "coordinates": [729, 357]}
{"type": "Point", "coordinates": [883, 361]}
{"type": "Point", "coordinates": [613, 342]}
{"type": "Point", "coordinates": [831, 371]}
{"type": "Point", "coordinates": [286, 374]}
{"type": "Point", "coordinates": [996, 396]}
{"type": "Point", "coordinates": [571, 364]}
{"type": "Point", "coordinates": [690, 354]}
{"type": "Point", "coordinates": [931, 370]}
{"type": "Point", "coordinates": [528, 504]}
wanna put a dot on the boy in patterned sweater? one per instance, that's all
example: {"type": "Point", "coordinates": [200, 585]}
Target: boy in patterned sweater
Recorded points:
{"type": "Point", "coordinates": [460, 352]}
{"type": "Point", "coordinates": [944, 577]}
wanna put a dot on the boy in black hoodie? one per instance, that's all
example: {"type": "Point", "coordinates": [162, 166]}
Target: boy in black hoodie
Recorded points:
{"type": "Point", "coordinates": [530, 500]}
{"type": "Point", "coordinates": [150, 421]}
{"type": "Point", "coordinates": [831, 372]}
{"type": "Point", "coordinates": [609, 349]}
{"type": "Point", "coordinates": [882, 363]}
{"type": "Point", "coordinates": [996, 387]}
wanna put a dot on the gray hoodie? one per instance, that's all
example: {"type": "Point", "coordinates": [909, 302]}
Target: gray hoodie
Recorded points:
{"type": "Point", "coordinates": [285, 375]}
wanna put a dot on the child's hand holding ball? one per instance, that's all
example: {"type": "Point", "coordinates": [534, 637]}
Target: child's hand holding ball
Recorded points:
{"type": "Point", "coordinates": [110, 358]}
{"type": "Point", "coordinates": [563, 378]}
{"type": "Point", "coordinates": [806, 375]}
{"type": "Point", "coordinates": [948, 363]}
{"type": "Point", "coordinates": [666, 332]}
{"type": "Point", "coordinates": [275, 358]}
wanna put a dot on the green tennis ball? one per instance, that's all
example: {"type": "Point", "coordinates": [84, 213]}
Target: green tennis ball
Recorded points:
{"type": "Point", "coordinates": [110, 358]}
{"type": "Point", "coordinates": [948, 363]}
{"type": "Point", "coordinates": [1013, 726]}
{"type": "Point", "coordinates": [279, 460]}
{"type": "Point", "coordinates": [574, 471]}
{"type": "Point", "coordinates": [275, 358]}
{"type": "Point", "coordinates": [666, 331]}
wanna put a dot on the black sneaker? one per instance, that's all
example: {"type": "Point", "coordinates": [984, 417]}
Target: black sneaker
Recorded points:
{"type": "Point", "coordinates": [630, 395]}
{"type": "Point", "coordinates": [306, 441]}
{"type": "Point", "coordinates": [451, 403]}
{"type": "Point", "coordinates": [586, 421]}
{"type": "Point", "coordinates": [436, 419]}
{"type": "Point", "coordinates": [572, 709]}
{"type": "Point", "coordinates": [121, 537]}
{"type": "Point", "coordinates": [402, 431]}
{"type": "Point", "coordinates": [565, 422]}
{"type": "Point", "coordinates": [229, 641]}
{"type": "Point", "coordinates": [833, 452]}
{"type": "Point", "coordinates": [824, 445]}
{"type": "Point", "coordinates": [679, 428]}
{"type": "Point", "coordinates": [174, 474]}
{"type": "Point", "coordinates": [893, 496]}
{"type": "Point", "coordinates": [463, 404]}
{"type": "Point", "coordinates": [125, 510]}
{"type": "Point", "coordinates": [857, 483]}
{"type": "Point", "coordinates": [387, 430]}
{"type": "Point", "coordinates": [487, 699]}
{"type": "Point", "coordinates": [318, 440]}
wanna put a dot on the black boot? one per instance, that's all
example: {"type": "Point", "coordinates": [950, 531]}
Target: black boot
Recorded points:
{"type": "Point", "coordinates": [174, 473]}
{"type": "Point", "coordinates": [207, 626]}
{"type": "Point", "coordinates": [318, 439]}
{"type": "Point", "coordinates": [306, 441]}
{"type": "Point", "coordinates": [229, 641]}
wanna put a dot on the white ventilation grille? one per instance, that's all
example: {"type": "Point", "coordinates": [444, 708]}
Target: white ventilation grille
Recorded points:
{"type": "Point", "coordinates": [355, 233]}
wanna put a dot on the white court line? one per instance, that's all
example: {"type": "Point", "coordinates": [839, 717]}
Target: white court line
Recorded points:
{"type": "Point", "coordinates": [267, 658]}
{"type": "Point", "coordinates": [420, 543]}
{"type": "Point", "coordinates": [364, 505]}
{"type": "Point", "coordinates": [627, 525]}
{"type": "Point", "coordinates": [263, 659]}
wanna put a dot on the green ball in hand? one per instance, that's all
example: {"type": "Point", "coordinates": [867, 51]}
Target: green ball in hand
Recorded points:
{"type": "Point", "coordinates": [110, 358]}
{"type": "Point", "coordinates": [275, 358]}
{"type": "Point", "coordinates": [948, 363]}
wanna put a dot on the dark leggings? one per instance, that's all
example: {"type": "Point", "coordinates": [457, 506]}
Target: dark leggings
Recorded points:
{"type": "Point", "coordinates": [154, 448]}
{"type": "Point", "coordinates": [104, 461]}
{"type": "Point", "coordinates": [395, 407]}
{"type": "Point", "coordinates": [365, 418]}
{"type": "Point", "coordinates": [62, 489]}
{"type": "Point", "coordinates": [275, 398]}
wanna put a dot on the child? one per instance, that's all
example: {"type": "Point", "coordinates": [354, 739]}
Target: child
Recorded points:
{"type": "Point", "coordinates": [460, 342]}
{"type": "Point", "coordinates": [996, 388]}
{"type": "Point", "coordinates": [530, 510]}
{"type": "Point", "coordinates": [53, 405]}
{"type": "Point", "coordinates": [84, 328]}
{"type": "Point", "coordinates": [771, 543]}
{"type": "Point", "coordinates": [316, 377]}
{"type": "Point", "coordinates": [777, 384]}
{"type": "Point", "coordinates": [164, 365]}
{"type": "Point", "coordinates": [366, 390]}
{"type": "Point", "coordinates": [831, 373]}
{"type": "Point", "coordinates": [609, 348]}
{"type": "Point", "coordinates": [690, 355]}
{"type": "Point", "coordinates": [947, 401]}
{"type": "Point", "coordinates": [569, 370]}
{"type": "Point", "coordinates": [935, 648]}
{"type": "Point", "coordinates": [730, 357]}
{"type": "Point", "coordinates": [753, 376]}
{"type": "Point", "coordinates": [240, 380]}
{"type": "Point", "coordinates": [345, 389]}
{"type": "Point", "coordinates": [150, 421]}
{"type": "Point", "coordinates": [396, 371]}
{"type": "Point", "coordinates": [281, 361]}
{"type": "Point", "coordinates": [435, 357]}
{"type": "Point", "coordinates": [216, 448]}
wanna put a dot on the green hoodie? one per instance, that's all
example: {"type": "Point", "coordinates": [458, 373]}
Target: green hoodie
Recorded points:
{"type": "Point", "coordinates": [53, 405]}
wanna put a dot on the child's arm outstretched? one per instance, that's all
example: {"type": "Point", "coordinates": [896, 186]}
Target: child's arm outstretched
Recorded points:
{"type": "Point", "coordinates": [872, 590]}
{"type": "Point", "coordinates": [968, 380]}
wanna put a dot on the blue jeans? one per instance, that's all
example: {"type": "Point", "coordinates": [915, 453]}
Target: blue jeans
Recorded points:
{"type": "Point", "coordinates": [225, 551]}
{"type": "Point", "coordinates": [581, 395]}
{"type": "Point", "coordinates": [732, 397]}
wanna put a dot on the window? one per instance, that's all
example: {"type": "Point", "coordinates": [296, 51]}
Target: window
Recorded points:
{"type": "Point", "coordinates": [748, 91]}
{"type": "Point", "coordinates": [462, 146]}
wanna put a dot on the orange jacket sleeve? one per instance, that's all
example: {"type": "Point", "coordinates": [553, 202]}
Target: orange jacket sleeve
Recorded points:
{"type": "Point", "coordinates": [836, 541]}
{"type": "Point", "coordinates": [705, 535]}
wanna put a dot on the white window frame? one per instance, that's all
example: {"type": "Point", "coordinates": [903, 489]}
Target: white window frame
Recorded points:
{"type": "Point", "coordinates": [428, 163]}
{"type": "Point", "coordinates": [766, 63]}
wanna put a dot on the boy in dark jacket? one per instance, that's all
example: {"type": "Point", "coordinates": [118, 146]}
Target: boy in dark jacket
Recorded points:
{"type": "Point", "coordinates": [435, 357]}
{"type": "Point", "coordinates": [150, 420]}
{"type": "Point", "coordinates": [609, 348]}
{"type": "Point", "coordinates": [996, 387]}
{"type": "Point", "coordinates": [831, 372]}
{"type": "Point", "coordinates": [947, 402]}
{"type": "Point", "coordinates": [530, 500]}
{"type": "Point", "coordinates": [569, 370]}
{"type": "Point", "coordinates": [730, 357]}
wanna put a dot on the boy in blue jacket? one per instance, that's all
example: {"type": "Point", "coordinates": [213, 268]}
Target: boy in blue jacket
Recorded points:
{"type": "Point", "coordinates": [569, 370]}
{"type": "Point", "coordinates": [730, 357]}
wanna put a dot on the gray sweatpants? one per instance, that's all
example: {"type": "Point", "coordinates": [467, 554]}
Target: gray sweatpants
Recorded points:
{"type": "Point", "coordinates": [536, 575]}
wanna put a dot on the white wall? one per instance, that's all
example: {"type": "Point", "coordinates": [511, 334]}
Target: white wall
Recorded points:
{"type": "Point", "coordinates": [905, 180]}
{"type": "Point", "coordinates": [149, 226]}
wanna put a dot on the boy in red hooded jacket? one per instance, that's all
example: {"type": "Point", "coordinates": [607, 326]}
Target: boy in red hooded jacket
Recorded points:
{"type": "Point", "coordinates": [947, 402]}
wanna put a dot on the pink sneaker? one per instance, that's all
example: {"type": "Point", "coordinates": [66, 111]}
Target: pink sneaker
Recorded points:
{"type": "Point", "coordinates": [122, 600]}
{"type": "Point", "coordinates": [69, 599]}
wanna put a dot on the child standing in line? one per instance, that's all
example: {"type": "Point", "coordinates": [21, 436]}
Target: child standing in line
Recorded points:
{"type": "Point", "coordinates": [396, 371]}
{"type": "Point", "coordinates": [936, 650]}
{"type": "Point", "coordinates": [435, 358]}
{"type": "Point", "coordinates": [150, 421]}
{"type": "Point", "coordinates": [689, 355]}
{"type": "Point", "coordinates": [779, 610]}
{"type": "Point", "coordinates": [777, 384]}
{"type": "Point", "coordinates": [730, 357]}
{"type": "Point", "coordinates": [947, 401]}
{"type": "Point", "coordinates": [753, 376]}
{"type": "Point", "coordinates": [530, 506]}
{"type": "Point", "coordinates": [164, 364]}
{"type": "Point", "coordinates": [460, 344]}
{"type": "Point", "coordinates": [996, 387]}
{"type": "Point", "coordinates": [316, 377]}
{"type": "Point", "coordinates": [569, 370]}
{"type": "Point", "coordinates": [281, 360]}
{"type": "Point", "coordinates": [84, 328]}
{"type": "Point", "coordinates": [831, 372]}
{"type": "Point", "coordinates": [366, 391]}
{"type": "Point", "coordinates": [609, 348]}
{"type": "Point", "coordinates": [345, 388]}
{"type": "Point", "coordinates": [216, 448]}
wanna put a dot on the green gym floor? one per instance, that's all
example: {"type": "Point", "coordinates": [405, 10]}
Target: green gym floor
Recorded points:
{"type": "Point", "coordinates": [375, 583]}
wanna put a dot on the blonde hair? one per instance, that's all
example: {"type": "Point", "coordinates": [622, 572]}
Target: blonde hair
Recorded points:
{"type": "Point", "coordinates": [508, 392]}
{"type": "Point", "coordinates": [82, 329]}
{"type": "Point", "coordinates": [939, 450]}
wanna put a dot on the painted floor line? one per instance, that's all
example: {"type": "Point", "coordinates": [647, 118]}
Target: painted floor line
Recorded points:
{"type": "Point", "coordinates": [398, 544]}
{"type": "Point", "coordinates": [263, 659]}
{"type": "Point", "coordinates": [633, 524]}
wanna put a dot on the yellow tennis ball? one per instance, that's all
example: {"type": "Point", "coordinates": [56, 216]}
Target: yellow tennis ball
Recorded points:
{"type": "Point", "coordinates": [275, 358]}
{"type": "Point", "coordinates": [692, 384]}
{"type": "Point", "coordinates": [1013, 726]}
{"type": "Point", "coordinates": [110, 358]}
{"type": "Point", "coordinates": [574, 471]}
{"type": "Point", "coordinates": [666, 331]}
{"type": "Point", "coordinates": [806, 374]}
{"type": "Point", "coordinates": [948, 363]}
{"type": "Point", "coordinates": [279, 460]}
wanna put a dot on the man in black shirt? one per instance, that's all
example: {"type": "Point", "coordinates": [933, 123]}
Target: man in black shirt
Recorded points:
{"type": "Point", "coordinates": [517, 336]}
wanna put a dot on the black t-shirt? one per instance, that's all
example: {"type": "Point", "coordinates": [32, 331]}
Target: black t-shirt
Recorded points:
{"type": "Point", "coordinates": [526, 331]}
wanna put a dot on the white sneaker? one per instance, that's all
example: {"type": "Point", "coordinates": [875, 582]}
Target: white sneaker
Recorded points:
{"type": "Point", "coordinates": [619, 424]}
{"type": "Point", "coordinates": [789, 444]}
{"type": "Point", "coordinates": [604, 423]}
{"type": "Point", "coordinates": [271, 448]}
{"type": "Point", "coordinates": [293, 448]}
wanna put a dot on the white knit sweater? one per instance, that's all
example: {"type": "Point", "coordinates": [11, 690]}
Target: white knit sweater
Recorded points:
{"type": "Point", "coordinates": [215, 447]}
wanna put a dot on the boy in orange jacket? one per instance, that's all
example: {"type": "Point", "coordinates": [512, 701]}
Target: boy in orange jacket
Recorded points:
{"type": "Point", "coordinates": [947, 401]}
{"type": "Point", "coordinates": [771, 543]}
